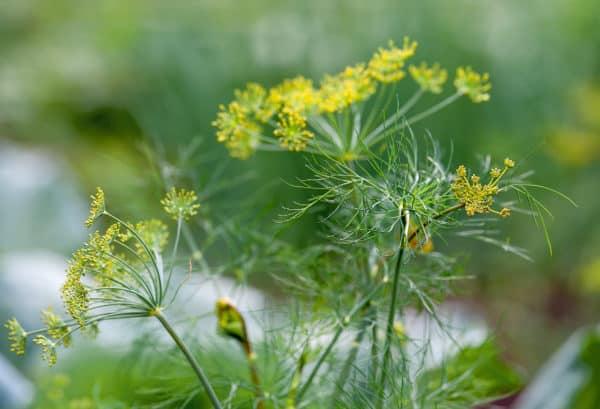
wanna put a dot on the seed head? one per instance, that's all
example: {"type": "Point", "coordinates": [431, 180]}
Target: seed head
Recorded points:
{"type": "Point", "coordinates": [180, 202]}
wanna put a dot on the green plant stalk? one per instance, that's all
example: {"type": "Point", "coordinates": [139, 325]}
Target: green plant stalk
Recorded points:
{"type": "Point", "coordinates": [345, 372]}
{"type": "Point", "coordinates": [342, 326]}
{"type": "Point", "coordinates": [192, 361]}
{"type": "Point", "coordinates": [392, 311]}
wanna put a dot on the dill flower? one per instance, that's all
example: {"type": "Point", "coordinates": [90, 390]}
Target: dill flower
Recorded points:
{"type": "Point", "coordinates": [97, 207]}
{"type": "Point", "coordinates": [17, 336]}
{"type": "Point", "coordinates": [348, 87]}
{"type": "Point", "coordinates": [180, 203]}
{"type": "Point", "coordinates": [253, 100]}
{"type": "Point", "coordinates": [473, 84]}
{"type": "Point", "coordinates": [429, 78]}
{"type": "Point", "coordinates": [48, 349]}
{"type": "Point", "coordinates": [154, 233]}
{"type": "Point", "coordinates": [56, 327]}
{"type": "Point", "coordinates": [244, 141]}
{"type": "Point", "coordinates": [478, 198]}
{"type": "Point", "coordinates": [291, 130]}
{"type": "Point", "coordinates": [297, 94]}
{"type": "Point", "coordinates": [387, 63]}
{"type": "Point", "coordinates": [229, 120]}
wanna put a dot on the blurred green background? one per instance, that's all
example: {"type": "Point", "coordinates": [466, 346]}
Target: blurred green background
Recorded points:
{"type": "Point", "coordinates": [86, 86]}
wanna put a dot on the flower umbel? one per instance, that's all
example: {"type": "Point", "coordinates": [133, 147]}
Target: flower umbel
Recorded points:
{"type": "Point", "coordinates": [387, 63]}
{"type": "Point", "coordinates": [17, 336]}
{"type": "Point", "coordinates": [48, 349]}
{"type": "Point", "coordinates": [180, 202]}
{"type": "Point", "coordinates": [478, 198]}
{"type": "Point", "coordinates": [346, 88]}
{"type": "Point", "coordinates": [97, 207]}
{"type": "Point", "coordinates": [430, 79]}
{"type": "Point", "coordinates": [56, 327]}
{"type": "Point", "coordinates": [473, 84]}
{"type": "Point", "coordinates": [291, 130]}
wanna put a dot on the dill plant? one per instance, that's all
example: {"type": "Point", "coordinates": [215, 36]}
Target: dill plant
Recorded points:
{"type": "Point", "coordinates": [386, 198]}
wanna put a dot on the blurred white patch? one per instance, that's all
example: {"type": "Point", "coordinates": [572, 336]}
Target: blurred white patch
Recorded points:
{"type": "Point", "coordinates": [15, 391]}
{"type": "Point", "coordinates": [279, 39]}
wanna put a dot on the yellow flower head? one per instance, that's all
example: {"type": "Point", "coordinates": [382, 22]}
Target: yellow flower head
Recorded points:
{"type": "Point", "coordinates": [48, 349]}
{"type": "Point", "coordinates": [429, 79]}
{"type": "Point", "coordinates": [97, 207]}
{"type": "Point", "coordinates": [473, 84]}
{"type": "Point", "coordinates": [297, 94]}
{"type": "Point", "coordinates": [56, 327]}
{"type": "Point", "coordinates": [16, 336]}
{"type": "Point", "coordinates": [154, 233]}
{"type": "Point", "coordinates": [229, 121]}
{"type": "Point", "coordinates": [387, 63]}
{"type": "Point", "coordinates": [253, 101]}
{"type": "Point", "coordinates": [350, 86]}
{"type": "Point", "coordinates": [476, 197]}
{"type": "Point", "coordinates": [291, 130]}
{"type": "Point", "coordinates": [180, 202]}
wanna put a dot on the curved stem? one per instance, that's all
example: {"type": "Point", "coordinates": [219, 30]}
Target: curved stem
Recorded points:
{"type": "Point", "coordinates": [392, 311]}
{"type": "Point", "coordinates": [192, 361]}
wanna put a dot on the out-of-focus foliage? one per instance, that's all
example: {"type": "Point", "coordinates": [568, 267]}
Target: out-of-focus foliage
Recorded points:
{"type": "Point", "coordinates": [89, 82]}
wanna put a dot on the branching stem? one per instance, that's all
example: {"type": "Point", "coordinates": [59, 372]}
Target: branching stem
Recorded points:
{"type": "Point", "coordinates": [192, 361]}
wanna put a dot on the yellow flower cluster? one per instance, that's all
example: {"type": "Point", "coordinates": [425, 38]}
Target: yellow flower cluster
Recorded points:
{"type": "Point", "coordinates": [291, 130]}
{"type": "Point", "coordinates": [56, 327]}
{"type": "Point", "coordinates": [387, 63]}
{"type": "Point", "coordinates": [180, 202]}
{"type": "Point", "coordinates": [97, 207]}
{"type": "Point", "coordinates": [339, 91]}
{"type": "Point", "coordinates": [473, 84]}
{"type": "Point", "coordinates": [16, 336]}
{"type": "Point", "coordinates": [430, 79]}
{"type": "Point", "coordinates": [94, 258]}
{"type": "Point", "coordinates": [290, 106]}
{"type": "Point", "coordinates": [48, 349]}
{"type": "Point", "coordinates": [476, 197]}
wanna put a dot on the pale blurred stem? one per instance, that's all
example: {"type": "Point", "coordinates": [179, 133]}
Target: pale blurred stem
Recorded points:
{"type": "Point", "coordinates": [372, 137]}
{"type": "Point", "coordinates": [192, 361]}
{"type": "Point", "coordinates": [392, 311]}
{"type": "Point", "coordinates": [342, 326]}
{"type": "Point", "coordinates": [355, 127]}
{"type": "Point", "coordinates": [347, 367]}
{"type": "Point", "coordinates": [174, 254]}
{"type": "Point", "coordinates": [329, 131]}
{"type": "Point", "coordinates": [415, 118]}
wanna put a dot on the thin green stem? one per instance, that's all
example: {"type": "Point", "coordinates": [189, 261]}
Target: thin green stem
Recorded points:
{"type": "Point", "coordinates": [174, 254]}
{"type": "Point", "coordinates": [342, 326]}
{"type": "Point", "coordinates": [392, 311]}
{"type": "Point", "coordinates": [191, 359]}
